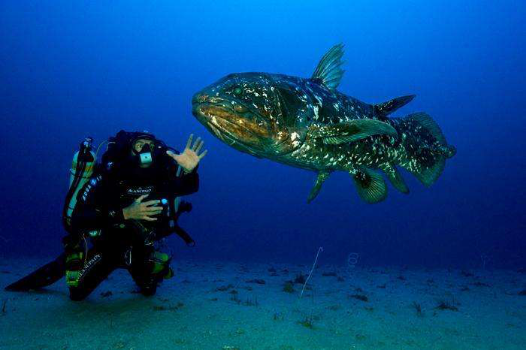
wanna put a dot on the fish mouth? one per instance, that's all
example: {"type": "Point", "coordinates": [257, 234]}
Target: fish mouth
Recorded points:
{"type": "Point", "coordinates": [221, 119]}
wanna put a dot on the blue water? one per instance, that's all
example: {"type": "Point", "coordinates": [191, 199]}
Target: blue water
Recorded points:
{"type": "Point", "coordinates": [75, 69]}
{"type": "Point", "coordinates": [70, 70]}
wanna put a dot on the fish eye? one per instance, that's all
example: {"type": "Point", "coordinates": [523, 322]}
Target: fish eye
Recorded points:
{"type": "Point", "coordinates": [237, 91]}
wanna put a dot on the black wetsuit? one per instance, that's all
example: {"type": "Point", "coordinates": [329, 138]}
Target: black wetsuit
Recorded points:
{"type": "Point", "coordinates": [120, 243]}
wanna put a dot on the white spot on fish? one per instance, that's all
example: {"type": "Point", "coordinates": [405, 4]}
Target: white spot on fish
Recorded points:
{"type": "Point", "coordinates": [315, 111]}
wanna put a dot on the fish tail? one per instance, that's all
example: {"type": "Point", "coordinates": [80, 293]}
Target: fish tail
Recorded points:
{"type": "Point", "coordinates": [425, 147]}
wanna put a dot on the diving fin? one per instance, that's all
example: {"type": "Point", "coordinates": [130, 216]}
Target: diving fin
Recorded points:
{"type": "Point", "coordinates": [347, 132]}
{"type": "Point", "coordinates": [329, 70]}
{"type": "Point", "coordinates": [370, 185]}
{"type": "Point", "coordinates": [42, 277]}
{"type": "Point", "coordinates": [388, 107]}
{"type": "Point", "coordinates": [322, 176]}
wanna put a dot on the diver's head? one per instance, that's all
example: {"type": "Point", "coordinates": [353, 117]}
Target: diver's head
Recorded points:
{"type": "Point", "coordinates": [134, 150]}
{"type": "Point", "coordinates": [142, 150]}
{"type": "Point", "coordinates": [242, 111]}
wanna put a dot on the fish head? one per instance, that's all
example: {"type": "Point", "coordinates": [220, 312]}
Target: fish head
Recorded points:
{"type": "Point", "coordinates": [242, 110]}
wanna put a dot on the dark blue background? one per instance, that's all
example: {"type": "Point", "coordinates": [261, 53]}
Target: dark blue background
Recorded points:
{"type": "Point", "coordinates": [72, 69]}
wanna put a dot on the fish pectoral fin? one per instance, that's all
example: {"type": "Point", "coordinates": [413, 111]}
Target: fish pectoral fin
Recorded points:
{"type": "Point", "coordinates": [322, 176]}
{"type": "Point", "coordinates": [329, 70]}
{"type": "Point", "coordinates": [385, 108]}
{"type": "Point", "coordinates": [394, 176]}
{"type": "Point", "coordinates": [351, 131]}
{"type": "Point", "coordinates": [370, 185]}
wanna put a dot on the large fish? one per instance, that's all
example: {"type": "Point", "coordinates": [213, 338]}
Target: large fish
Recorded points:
{"type": "Point", "coordinates": [307, 123]}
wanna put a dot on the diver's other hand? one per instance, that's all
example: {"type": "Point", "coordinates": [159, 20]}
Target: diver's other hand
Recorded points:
{"type": "Point", "coordinates": [142, 210]}
{"type": "Point", "coordinates": [190, 157]}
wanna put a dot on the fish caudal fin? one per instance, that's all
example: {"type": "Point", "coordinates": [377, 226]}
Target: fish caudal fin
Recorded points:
{"type": "Point", "coordinates": [370, 185]}
{"type": "Point", "coordinates": [425, 146]}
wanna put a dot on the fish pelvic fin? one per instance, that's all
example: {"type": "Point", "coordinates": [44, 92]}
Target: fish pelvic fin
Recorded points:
{"type": "Point", "coordinates": [370, 185]}
{"type": "Point", "coordinates": [321, 178]}
{"type": "Point", "coordinates": [347, 132]}
{"type": "Point", "coordinates": [395, 177]}
{"type": "Point", "coordinates": [388, 107]}
{"type": "Point", "coordinates": [426, 147]}
{"type": "Point", "coordinates": [329, 70]}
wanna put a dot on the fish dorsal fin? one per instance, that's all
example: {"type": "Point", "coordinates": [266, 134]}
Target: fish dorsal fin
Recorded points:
{"type": "Point", "coordinates": [329, 70]}
{"type": "Point", "coordinates": [385, 108]}
{"type": "Point", "coordinates": [347, 132]}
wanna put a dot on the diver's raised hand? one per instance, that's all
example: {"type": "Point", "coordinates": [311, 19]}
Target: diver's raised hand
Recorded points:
{"type": "Point", "coordinates": [190, 157]}
{"type": "Point", "coordinates": [142, 210]}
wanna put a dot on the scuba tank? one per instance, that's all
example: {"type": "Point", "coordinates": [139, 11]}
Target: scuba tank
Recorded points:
{"type": "Point", "coordinates": [80, 172]}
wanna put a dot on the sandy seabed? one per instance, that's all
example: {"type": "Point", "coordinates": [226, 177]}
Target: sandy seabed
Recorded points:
{"type": "Point", "coordinates": [229, 305]}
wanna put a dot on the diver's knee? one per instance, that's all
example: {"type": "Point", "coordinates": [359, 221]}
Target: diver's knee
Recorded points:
{"type": "Point", "coordinates": [148, 291]}
{"type": "Point", "coordinates": [77, 295]}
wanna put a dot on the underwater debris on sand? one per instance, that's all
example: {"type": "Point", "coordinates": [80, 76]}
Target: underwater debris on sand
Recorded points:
{"type": "Point", "coordinates": [308, 322]}
{"type": "Point", "coordinates": [251, 302]}
{"type": "Point", "coordinates": [224, 287]}
{"type": "Point", "coordinates": [288, 287]}
{"type": "Point", "coordinates": [334, 307]}
{"type": "Point", "coordinates": [467, 273]}
{"type": "Point", "coordinates": [235, 297]}
{"type": "Point", "coordinates": [329, 274]}
{"type": "Point", "coordinates": [256, 281]}
{"type": "Point", "coordinates": [299, 279]}
{"type": "Point", "coordinates": [359, 297]}
{"type": "Point", "coordinates": [175, 307]}
{"type": "Point", "coordinates": [417, 307]}
{"type": "Point", "coordinates": [447, 305]}
{"type": "Point", "coordinates": [278, 316]}
{"type": "Point", "coordinates": [106, 293]}
{"type": "Point", "coordinates": [4, 307]}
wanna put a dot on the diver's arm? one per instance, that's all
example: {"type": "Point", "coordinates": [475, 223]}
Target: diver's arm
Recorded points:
{"type": "Point", "coordinates": [189, 159]}
{"type": "Point", "coordinates": [185, 184]}
{"type": "Point", "coordinates": [94, 209]}
{"type": "Point", "coordinates": [188, 182]}
{"type": "Point", "coordinates": [142, 210]}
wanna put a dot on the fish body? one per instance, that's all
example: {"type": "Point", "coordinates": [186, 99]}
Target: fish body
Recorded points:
{"type": "Point", "coordinates": [309, 124]}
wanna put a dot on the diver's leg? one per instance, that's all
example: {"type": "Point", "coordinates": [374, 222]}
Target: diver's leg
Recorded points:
{"type": "Point", "coordinates": [95, 270]}
{"type": "Point", "coordinates": [149, 269]}
{"type": "Point", "coordinates": [42, 277]}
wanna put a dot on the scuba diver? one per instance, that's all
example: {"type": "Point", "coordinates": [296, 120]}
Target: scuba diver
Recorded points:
{"type": "Point", "coordinates": [116, 212]}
